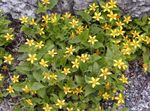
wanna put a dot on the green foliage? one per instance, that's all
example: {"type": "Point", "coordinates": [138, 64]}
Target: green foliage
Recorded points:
{"type": "Point", "coordinates": [75, 63]}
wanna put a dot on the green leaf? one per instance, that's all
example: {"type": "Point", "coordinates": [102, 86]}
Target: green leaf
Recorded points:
{"type": "Point", "coordinates": [84, 36]}
{"type": "Point", "coordinates": [37, 86]}
{"type": "Point", "coordinates": [89, 90]}
{"type": "Point", "coordinates": [96, 68]}
{"type": "Point", "coordinates": [85, 16]}
{"type": "Point", "coordinates": [38, 75]}
{"type": "Point", "coordinates": [42, 92]}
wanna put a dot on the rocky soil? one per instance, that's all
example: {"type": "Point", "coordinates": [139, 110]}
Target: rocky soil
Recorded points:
{"type": "Point", "coordinates": [138, 89]}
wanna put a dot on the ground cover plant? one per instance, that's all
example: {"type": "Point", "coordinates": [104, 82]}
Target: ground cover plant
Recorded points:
{"type": "Point", "coordinates": [75, 63]}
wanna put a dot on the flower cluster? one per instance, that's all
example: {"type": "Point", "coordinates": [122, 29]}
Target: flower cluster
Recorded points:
{"type": "Point", "coordinates": [74, 63]}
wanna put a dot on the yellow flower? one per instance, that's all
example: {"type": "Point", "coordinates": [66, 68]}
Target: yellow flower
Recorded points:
{"type": "Point", "coordinates": [135, 44]}
{"type": "Point", "coordinates": [45, 2]}
{"type": "Point", "coordinates": [52, 52]}
{"type": "Point", "coordinates": [105, 73]}
{"type": "Point", "coordinates": [66, 71]}
{"type": "Point", "coordinates": [106, 26]}
{"type": "Point", "coordinates": [69, 109]}
{"type": "Point", "coordinates": [43, 63]}
{"type": "Point", "coordinates": [135, 33]}
{"type": "Point", "coordinates": [8, 36]}
{"type": "Point", "coordinates": [74, 23]}
{"type": "Point", "coordinates": [8, 59]}
{"type": "Point", "coordinates": [92, 40]}
{"type": "Point", "coordinates": [70, 50]}
{"type": "Point", "coordinates": [66, 90]}
{"type": "Point", "coordinates": [79, 29]}
{"type": "Point", "coordinates": [10, 89]}
{"type": "Point", "coordinates": [127, 19]}
{"type": "Point", "coordinates": [1, 77]}
{"type": "Point", "coordinates": [97, 16]}
{"type": "Point", "coordinates": [107, 85]}
{"type": "Point", "coordinates": [84, 57]}
{"type": "Point", "coordinates": [149, 20]}
{"type": "Point", "coordinates": [120, 32]}
{"type": "Point", "coordinates": [31, 58]}
{"type": "Point", "coordinates": [120, 24]}
{"type": "Point", "coordinates": [78, 90]}
{"type": "Point", "coordinates": [112, 3]}
{"type": "Point", "coordinates": [124, 79]}
{"type": "Point", "coordinates": [26, 89]}
{"type": "Point", "coordinates": [15, 79]}
{"type": "Point", "coordinates": [66, 15]}
{"type": "Point", "coordinates": [45, 18]}
{"type": "Point", "coordinates": [112, 16]}
{"type": "Point", "coordinates": [47, 107]}
{"type": "Point", "coordinates": [145, 66]}
{"type": "Point", "coordinates": [29, 42]}
{"type": "Point", "coordinates": [29, 102]}
{"type": "Point", "coordinates": [39, 45]}
{"type": "Point", "coordinates": [126, 50]}
{"type": "Point", "coordinates": [32, 22]}
{"type": "Point", "coordinates": [46, 75]}
{"type": "Point", "coordinates": [53, 76]}
{"type": "Point", "coordinates": [60, 103]}
{"type": "Point", "coordinates": [75, 63]}
{"type": "Point", "coordinates": [114, 33]}
{"type": "Point", "coordinates": [106, 96]}
{"type": "Point", "coordinates": [93, 7]}
{"type": "Point", "coordinates": [24, 19]}
{"type": "Point", "coordinates": [120, 64]}
{"type": "Point", "coordinates": [120, 99]}
{"type": "Point", "coordinates": [53, 18]}
{"type": "Point", "coordinates": [106, 7]}
{"type": "Point", "coordinates": [41, 32]}
{"type": "Point", "coordinates": [94, 81]}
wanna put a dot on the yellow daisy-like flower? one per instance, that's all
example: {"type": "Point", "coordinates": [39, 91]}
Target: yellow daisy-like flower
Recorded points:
{"type": "Point", "coordinates": [69, 109]}
{"type": "Point", "coordinates": [93, 7]}
{"type": "Point", "coordinates": [66, 71]}
{"type": "Point", "coordinates": [106, 7]}
{"type": "Point", "coordinates": [97, 16]}
{"type": "Point", "coordinates": [43, 63]}
{"type": "Point", "coordinates": [120, 99]}
{"type": "Point", "coordinates": [145, 66]}
{"type": "Point", "coordinates": [8, 59]}
{"type": "Point", "coordinates": [47, 107]}
{"type": "Point", "coordinates": [84, 57]}
{"type": "Point", "coordinates": [60, 103]}
{"type": "Point", "coordinates": [45, 18]}
{"type": "Point", "coordinates": [33, 22]}
{"type": "Point", "coordinates": [41, 31]}
{"type": "Point", "coordinates": [24, 19]}
{"type": "Point", "coordinates": [120, 24]}
{"type": "Point", "coordinates": [78, 90]}
{"type": "Point", "coordinates": [112, 16]}
{"type": "Point", "coordinates": [67, 89]}
{"type": "Point", "coordinates": [10, 89]}
{"type": "Point", "coordinates": [1, 77]}
{"type": "Point", "coordinates": [8, 36]}
{"type": "Point", "coordinates": [74, 23]}
{"type": "Point", "coordinates": [104, 73]}
{"type": "Point", "coordinates": [94, 81]}
{"type": "Point", "coordinates": [45, 2]}
{"type": "Point", "coordinates": [26, 89]}
{"type": "Point", "coordinates": [29, 42]}
{"type": "Point", "coordinates": [127, 19]}
{"type": "Point", "coordinates": [120, 64]}
{"type": "Point", "coordinates": [114, 33]}
{"type": "Point", "coordinates": [112, 3]}
{"type": "Point", "coordinates": [53, 76]}
{"type": "Point", "coordinates": [92, 40]}
{"type": "Point", "coordinates": [46, 75]}
{"type": "Point", "coordinates": [106, 96]}
{"type": "Point", "coordinates": [75, 63]}
{"type": "Point", "coordinates": [124, 79]}
{"type": "Point", "coordinates": [135, 44]}
{"type": "Point", "coordinates": [39, 45]}
{"type": "Point", "coordinates": [70, 50]}
{"type": "Point", "coordinates": [52, 52]}
{"type": "Point", "coordinates": [15, 79]}
{"type": "Point", "coordinates": [31, 58]}
{"type": "Point", "coordinates": [29, 101]}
